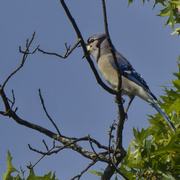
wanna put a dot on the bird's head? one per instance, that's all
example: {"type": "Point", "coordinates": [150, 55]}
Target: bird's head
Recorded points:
{"type": "Point", "coordinates": [94, 43]}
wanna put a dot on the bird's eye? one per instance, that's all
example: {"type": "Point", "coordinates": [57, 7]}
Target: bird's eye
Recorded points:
{"type": "Point", "coordinates": [92, 40]}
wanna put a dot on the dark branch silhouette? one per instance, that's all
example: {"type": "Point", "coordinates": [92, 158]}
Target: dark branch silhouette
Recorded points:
{"type": "Point", "coordinates": [111, 155]}
{"type": "Point", "coordinates": [119, 152]}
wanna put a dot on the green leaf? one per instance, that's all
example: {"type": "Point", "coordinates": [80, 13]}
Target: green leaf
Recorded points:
{"type": "Point", "coordinates": [129, 2]}
{"type": "Point", "coordinates": [171, 146]}
{"type": "Point", "coordinates": [45, 177]}
{"type": "Point", "coordinates": [167, 176]}
{"type": "Point", "coordinates": [10, 168]}
{"type": "Point", "coordinates": [165, 11]}
{"type": "Point", "coordinates": [159, 2]}
{"type": "Point", "coordinates": [95, 172]}
{"type": "Point", "coordinates": [175, 2]}
{"type": "Point", "coordinates": [31, 176]}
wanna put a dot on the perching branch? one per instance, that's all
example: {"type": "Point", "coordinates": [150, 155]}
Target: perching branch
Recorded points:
{"type": "Point", "coordinates": [119, 152]}
{"type": "Point", "coordinates": [111, 45]}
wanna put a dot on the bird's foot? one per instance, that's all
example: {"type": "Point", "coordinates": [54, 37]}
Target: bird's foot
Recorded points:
{"type": "Point", "coordinates": [116, 101]}
{"type": "Point", "coordinates": [125, 116]}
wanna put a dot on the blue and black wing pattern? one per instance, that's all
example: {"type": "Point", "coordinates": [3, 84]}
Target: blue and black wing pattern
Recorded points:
{"type": "Point", "coordinates": [127, 71]}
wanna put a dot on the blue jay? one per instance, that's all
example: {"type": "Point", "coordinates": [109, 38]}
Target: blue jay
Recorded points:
{"type": "Point", "coordinates": [132, 82]}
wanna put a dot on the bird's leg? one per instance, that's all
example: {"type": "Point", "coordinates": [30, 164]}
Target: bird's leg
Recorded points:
{"type": "Point", "coordinates": [126, 110]}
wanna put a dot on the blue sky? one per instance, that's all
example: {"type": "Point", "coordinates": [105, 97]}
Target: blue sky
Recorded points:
{"type": "Point", "coordinates": [75, 101]}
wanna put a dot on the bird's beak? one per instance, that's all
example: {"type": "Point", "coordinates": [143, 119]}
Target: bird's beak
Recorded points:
{"type": "Point", "coordinates": [88, 47]}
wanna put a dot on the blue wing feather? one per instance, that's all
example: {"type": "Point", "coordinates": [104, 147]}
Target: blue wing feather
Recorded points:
{"type": "Point", "coordinates": [127, 70]}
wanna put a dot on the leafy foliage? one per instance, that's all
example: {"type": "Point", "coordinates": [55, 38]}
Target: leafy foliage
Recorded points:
{"type": "Point", "coordinates": [155, 151]}
{"type": "Point", "coordinates": [154, 154]}
{"type": "Point", "coordinates": [31, 176]}
{"type": "Point", "coordinates": [170, 9]}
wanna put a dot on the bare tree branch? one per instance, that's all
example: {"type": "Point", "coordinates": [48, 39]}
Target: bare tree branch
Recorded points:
{"type": "Point", "coordinates": [86, 169]}
{"type": "Point", "coordinates": [119, 152]}
{"type": "Point", "coordinates": [90, 142]}
{"type": "Point", "coordinates": [108, 155]}
{"type": "Point", "coordinates": [42, 102]}
{"type": "Point", "coordinates": [86, 138]}
{"type": "Point", "coordinates": [66, 141]}
{"type": "Point", "coordinates": [45, 145]}
{"type": "Point", "coordinates": [44, 154]}
{"type": "Point", "coordinates": [26, 52]}
{"type": "Point", "coordinates": [48, 152]}
{"type": "Point", "coordinates": [68, 50]}
{"type": "Point", "coordinates": [110, 138]}
{"type": "Point", "coordinates": [111, 45]}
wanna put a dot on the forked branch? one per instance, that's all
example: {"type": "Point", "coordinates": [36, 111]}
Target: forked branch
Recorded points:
{"type": "Point", "coordinates": [69, 50]}
{"type": "Point", "coordinates": [25, 55]}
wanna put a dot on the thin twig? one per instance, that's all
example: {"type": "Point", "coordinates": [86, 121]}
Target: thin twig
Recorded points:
{"type": "Point", "coordinates": [90, 142]}
{"type": "Point", "coordinates": [44, 154]}
{"type": "Point", "coordinates": [44, 108]}
{"type": "Point", "coordinates": [45, 145]}
{"type": "Point", "coordinates": [2, 94]}
{"type": "Point", "coordinates": [110, 138]}
{"type": "Point", "coordinates": [35, 150]}
{"type": "Point", "coordinates": [82, 172]}
{"type": "Point", "coordinates": [26, 52]}
{"type": "Point", "coordinates": [100, 146]}
{"type": "Point", "coordinates": [12, 102]}
{"type": "Point", "coordinates": [68, 50]}
{"type": "Point", "coordinates": [7, 106]}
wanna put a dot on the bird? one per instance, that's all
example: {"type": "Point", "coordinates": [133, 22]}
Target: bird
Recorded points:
{"type": "Point", "coordinates": [132, 83]}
